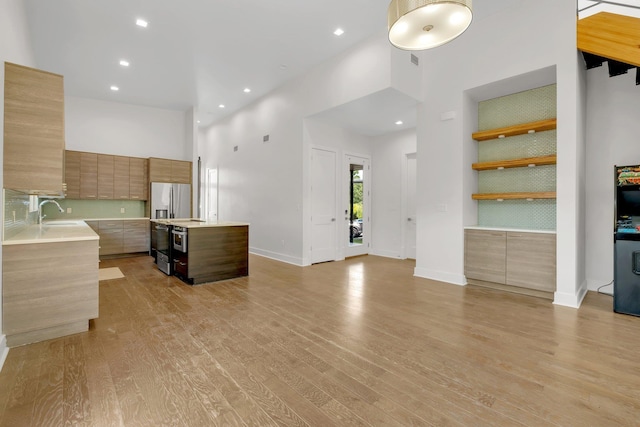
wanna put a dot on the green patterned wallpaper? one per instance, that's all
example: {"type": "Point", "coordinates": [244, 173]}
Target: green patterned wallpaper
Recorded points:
{"type": "Point", "coordinates": [523, 107]}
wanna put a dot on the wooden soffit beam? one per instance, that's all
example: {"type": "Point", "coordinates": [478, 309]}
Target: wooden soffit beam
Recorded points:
{"type": "Point", "coordinates": [611, 36]}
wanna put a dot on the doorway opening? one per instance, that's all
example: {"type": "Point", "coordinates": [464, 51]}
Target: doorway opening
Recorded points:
{"type": "Point", "coordinates": [356, 207]}
{"type": "Point", "coordinates": [356, 211]}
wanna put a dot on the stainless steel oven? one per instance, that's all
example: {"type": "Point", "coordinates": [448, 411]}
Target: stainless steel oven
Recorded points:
{"type": "Point", "coordinates": [179, 238]}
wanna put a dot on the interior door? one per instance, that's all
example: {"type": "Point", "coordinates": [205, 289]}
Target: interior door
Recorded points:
{"type": "Point", "coordinates": [357, 212]}
{"type": "Point", "coordinates": [323, 205]}
{"type": "Point", "coordinates": [411, 226]}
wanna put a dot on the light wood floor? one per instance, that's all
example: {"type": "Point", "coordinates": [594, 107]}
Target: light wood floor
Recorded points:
{"type": "Point", "coordinates": [359, 342]}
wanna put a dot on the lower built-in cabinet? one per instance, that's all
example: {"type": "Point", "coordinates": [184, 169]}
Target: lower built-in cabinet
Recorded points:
{"type": "Point", "coordinates": [119, 236]}
{"type": "Point", "coordinates": [49, 290]}
{"type": "Point", "coordinates": [523, 262]}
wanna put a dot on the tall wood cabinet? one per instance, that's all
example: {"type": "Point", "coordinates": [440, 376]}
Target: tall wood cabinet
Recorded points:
{"type": "Point", "coordinates": [33, 130]}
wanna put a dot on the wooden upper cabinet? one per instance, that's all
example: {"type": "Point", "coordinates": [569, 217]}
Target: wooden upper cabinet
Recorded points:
{"type": "Point", "coordinates": [33, 130]}
{"type": "Point", "coordinates": [159, 170]}
{"type": "Point", "coordinates": [88, 175]}
{"type": "Point", "coordinates": [121, 178]}
{"type": "Point", "coordinates": [166, 170]}
{"type": "Point", "coordinates": [180, 172]}
{"type": "Point", "coordinates": [72, 174]}
{"type": "Point", "coordinates": [105, 176]}
{"type": "Point", "coordinates": [138, 178]}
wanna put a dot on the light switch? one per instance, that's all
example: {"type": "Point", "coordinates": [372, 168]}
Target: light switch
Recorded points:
{"type": "Point", "coordinates": [69, 210]}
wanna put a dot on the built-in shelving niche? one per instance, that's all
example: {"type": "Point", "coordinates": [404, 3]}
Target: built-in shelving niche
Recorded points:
{"type": "Point", "coordinates": [517, 160]}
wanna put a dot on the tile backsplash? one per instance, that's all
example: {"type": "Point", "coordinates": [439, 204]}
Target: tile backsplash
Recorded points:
{"type": "Point", "coordinates": [16, 213]}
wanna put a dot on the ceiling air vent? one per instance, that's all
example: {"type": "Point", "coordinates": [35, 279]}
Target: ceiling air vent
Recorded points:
{"type": "Point", "coordinates": [415, 60]}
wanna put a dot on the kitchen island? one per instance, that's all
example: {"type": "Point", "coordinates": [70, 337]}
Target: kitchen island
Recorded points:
{"type": "Point", "coordinates": [208, 251]}
{"type": "Point", "coordinates": [50, 281]}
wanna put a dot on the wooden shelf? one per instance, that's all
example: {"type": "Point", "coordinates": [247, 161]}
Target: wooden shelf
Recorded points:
{"type": "Point", "coordinates": [520, 129]}
{"type": "Point", "coordinates": [516, 163]}
{"type": "Point", "coordinates": [514, 196]}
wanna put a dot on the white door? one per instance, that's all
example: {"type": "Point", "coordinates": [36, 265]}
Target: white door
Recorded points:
{"type": "Point", "coordinates": [323, 205]}
{"type": "Point", "coordinates": [411, 229]}
{"type": "Point", "coordinates": [357, 213]}
{"type": "Point", "coordinates": [211, 194]}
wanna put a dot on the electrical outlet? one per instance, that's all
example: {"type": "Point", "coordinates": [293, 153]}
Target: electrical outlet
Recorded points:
{"type": "Point", "coordinates": [121, 210]}
{"type": "Point", "coordinates": [69, 210]}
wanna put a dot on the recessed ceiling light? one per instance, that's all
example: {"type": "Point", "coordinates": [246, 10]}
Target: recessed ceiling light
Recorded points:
{"type": "Point", "coordinates": [124, 62]}
{"type": "Point", "coordinates": [198, 121]}
{"type": "Point", "coordinates": [338, 32]}
{"type": "Point", "coordinates": [247, 90]}
{"type": "Point", "coordinates": [399, 122]}
{"type": "Point", "coordinates": [221, 106]}
{"type": "Point", "coordinates": [141, 23]}
{"type": "Point", "coordinates": [115, 88]}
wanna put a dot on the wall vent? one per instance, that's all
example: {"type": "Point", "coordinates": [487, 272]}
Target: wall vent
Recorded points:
{"type": "Point", "coordinates": [265, 138]}
{"type": "Point", "coordinates": [415, 60]}
{"type": "Point", "coordinates": [235, 148]}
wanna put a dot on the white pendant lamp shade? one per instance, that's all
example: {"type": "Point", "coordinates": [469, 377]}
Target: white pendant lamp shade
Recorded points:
{"type": "Point", "coordinates": [424, 24]}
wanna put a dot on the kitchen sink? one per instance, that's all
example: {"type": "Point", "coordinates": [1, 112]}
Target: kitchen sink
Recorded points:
{"type": "Point", "coordinates": [62, 223]}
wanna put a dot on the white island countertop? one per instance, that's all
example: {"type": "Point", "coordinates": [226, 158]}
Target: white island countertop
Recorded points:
{"type": "Point", "coordinates": [198, 223]}
{"type": "Point", "coordinates": [53, 232]}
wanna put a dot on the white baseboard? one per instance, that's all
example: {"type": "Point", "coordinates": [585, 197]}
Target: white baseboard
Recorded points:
{"type": "Point", "coordinates": [571, 300]}
{"type": "Point", "coordinates": [441, 276]}
{"type": "Point", "coordinates": [386, 254]}
{"type": "Point", "coordinates": [4, 350]}
{"type": "Point", "coordinates": [277, 256]}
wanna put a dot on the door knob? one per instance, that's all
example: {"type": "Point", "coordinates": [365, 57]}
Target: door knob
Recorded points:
{"type": "Point", "coordinates": [409, 219]}
{"type": "Point", "coordinates": [333, 220]}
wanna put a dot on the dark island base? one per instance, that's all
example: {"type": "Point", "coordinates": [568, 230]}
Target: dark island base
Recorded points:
{"type": "Point", "coordinates": [215, 253]}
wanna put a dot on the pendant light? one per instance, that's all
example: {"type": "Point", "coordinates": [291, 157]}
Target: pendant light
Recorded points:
{"type": "Point", "coordinates": [424, 24]}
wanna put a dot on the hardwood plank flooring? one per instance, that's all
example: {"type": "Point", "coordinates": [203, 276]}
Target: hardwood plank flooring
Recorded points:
{"type": "Point", "coordinates": [355, 343]}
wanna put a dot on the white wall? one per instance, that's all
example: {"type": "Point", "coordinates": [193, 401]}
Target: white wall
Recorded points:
{"type": "Point", "coordinates": [126, 130]}
{"type": "Point", "coordinates": [388, 187]}
{"type": "Point", "coordinates": [506, 44]}
{"type": "Point", "coordinates": [15, 46]}
{"type": "Point", "coordinates": [612, 139]}
{"type": "Point", "coordinates": [266, 184]}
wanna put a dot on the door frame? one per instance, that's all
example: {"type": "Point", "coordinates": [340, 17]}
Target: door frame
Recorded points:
{"type": "Point", "coordinates": [366, 205]}
{"type": "Point", "coordinates": [336, 251]}
{"type": "Point", "coordinates": [404, 197]}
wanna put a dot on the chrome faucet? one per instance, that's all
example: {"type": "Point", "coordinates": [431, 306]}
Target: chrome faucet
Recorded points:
{"type": "Point", "coordinates": [44, 202]}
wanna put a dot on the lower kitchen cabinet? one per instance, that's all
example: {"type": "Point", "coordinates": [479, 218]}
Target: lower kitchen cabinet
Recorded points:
{"type": "Point", "coordinates": [111, 234]}
{"type": "Point", "coordinates": [49, 290]}
{"type": "Point", "coordinates": [122, 236]}
{"type": "Point", "coordinates": [136, 235]}
{"type": "Point", "coordinates": [523, 262]}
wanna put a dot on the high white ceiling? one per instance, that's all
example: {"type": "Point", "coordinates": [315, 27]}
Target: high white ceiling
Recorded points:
{"type": "Point", "coordinates": [199, 53]}
{"type": "Point", "coordinates": [203, 53]}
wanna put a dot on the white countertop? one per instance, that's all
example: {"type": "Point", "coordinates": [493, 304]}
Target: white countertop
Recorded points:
{"type": "Point", "coordinates": [53, 232]}
{"type": "Point", "coordinates": [518, 230]}
{"type": "Point", "coordinates": [197, 223]}
{"type": "Point", "coordinates": [110, 219]}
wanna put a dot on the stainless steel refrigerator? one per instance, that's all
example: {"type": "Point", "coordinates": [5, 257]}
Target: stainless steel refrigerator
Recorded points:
{"type": "Point", "coordinates": [170, 200]}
